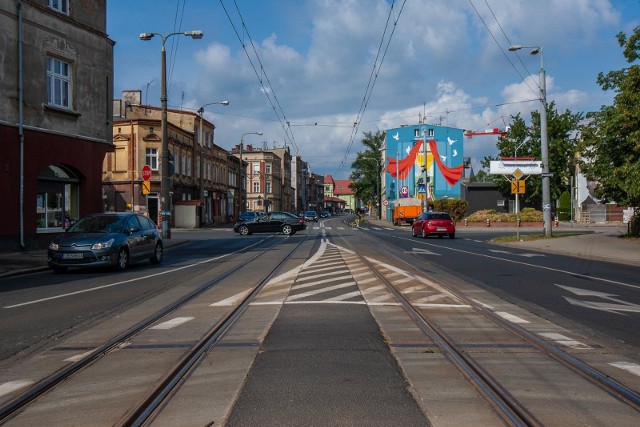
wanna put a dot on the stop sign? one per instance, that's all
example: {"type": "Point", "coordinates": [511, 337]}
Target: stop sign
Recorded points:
{"type": "Point", "coordinates": [146, 172]}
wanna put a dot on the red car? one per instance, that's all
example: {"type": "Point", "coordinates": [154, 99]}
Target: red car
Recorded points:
{"type": "Point", "coordinates": [434, 223]}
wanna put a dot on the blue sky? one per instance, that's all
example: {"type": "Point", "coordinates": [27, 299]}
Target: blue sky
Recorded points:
{"type": "Point", "coordinates": [445, 59]}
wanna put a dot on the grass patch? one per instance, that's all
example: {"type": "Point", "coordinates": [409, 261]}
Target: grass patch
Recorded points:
{"type": "Point", "coordinates": [530, 237]}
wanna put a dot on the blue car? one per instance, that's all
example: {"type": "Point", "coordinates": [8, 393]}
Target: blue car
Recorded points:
{"type": "Point", "coordinates": [106, 239]}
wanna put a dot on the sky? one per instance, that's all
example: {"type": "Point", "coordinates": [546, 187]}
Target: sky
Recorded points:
{"type": "Point", "coordinates": [315, 75]}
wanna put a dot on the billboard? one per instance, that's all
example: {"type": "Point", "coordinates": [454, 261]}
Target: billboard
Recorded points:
{"type": "Point", "coordinates": [509, 166]}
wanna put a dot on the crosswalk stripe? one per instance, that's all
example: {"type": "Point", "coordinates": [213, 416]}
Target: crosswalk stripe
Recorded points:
{"type": "Point", "coordinates": [320, 291]}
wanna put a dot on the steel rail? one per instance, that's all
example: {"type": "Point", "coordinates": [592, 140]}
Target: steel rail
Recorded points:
{"type": "Point", "coordinates": [503, 403]}
{"type": "Point", "coordinates": [149, 406]}
{"type": "Point", "coordinates": [46, 384]}
{"type": "Point", "coordinates": [614, 388]}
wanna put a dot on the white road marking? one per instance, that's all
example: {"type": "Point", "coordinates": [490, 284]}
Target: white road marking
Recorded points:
{"type": "Point", "coordinates": [232, 300]}
{"type": "Point", "coordinates": [11, 386]}
{"type": "Point", "coordinates": [172, 323]}
{"type": "Point", "coordinates": [319, 291]}
{"type": "Point", "coordinates": [616, 306]}
{"type": "Point", "coordinates": [565, 341]}
{"type": "Point", "coordinates": [630, 367]}
{"type": "Point", "coordinates": [511, 318]}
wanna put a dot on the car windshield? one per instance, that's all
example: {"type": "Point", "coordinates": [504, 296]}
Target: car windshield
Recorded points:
{"type": "Point", "coordinates": [311, 213]}
{"type": "Point", "coordinates": [98, 224]}
{"type": "Point", "coordinates": [438, 216]}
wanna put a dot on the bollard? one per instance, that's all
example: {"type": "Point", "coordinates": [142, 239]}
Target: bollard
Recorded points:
{"type": "Point", "coordinates": [488, 222]}
{"type": "Point", "coordinates": [466, 222]}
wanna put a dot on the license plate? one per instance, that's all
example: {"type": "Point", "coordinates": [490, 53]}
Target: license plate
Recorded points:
{"type": "Point", "coordinates": [72, 256]}
{"type": "Point", "coordinates": [441, 229]}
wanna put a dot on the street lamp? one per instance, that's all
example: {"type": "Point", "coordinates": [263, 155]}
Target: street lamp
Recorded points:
{"type": "Point", "coordinates": [544, 143]}
{"type": "Point", "coordinates": [201, 113]}
{"type": "Point", "coordinates": [165, 183]}
{"type": "Point", "coordinates": [242, 183]}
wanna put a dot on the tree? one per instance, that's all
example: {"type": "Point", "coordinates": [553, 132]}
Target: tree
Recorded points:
{"type": "Point", "coordinates": [366, 169]}
{"type": "Point", "coordinates": [610, 145]}
{"type": "Point", "coordinates": [524, 141]}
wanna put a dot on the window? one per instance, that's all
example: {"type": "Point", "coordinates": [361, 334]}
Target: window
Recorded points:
{"type": "Point", "coordinates": [57, 200]}
{"type": "Point", "coordinates": [151, 158]}
{"type": "Point", "coordinates": [256, 187]}
{"type": "Point", "coordinates": [267, 168]}
{"type": "Point", "coordinates": [58, 83]}
{"type": "Point", "coordinates": [61, 6]}
{"type": "Point", "coordinates": [256, 168]}
{"type": "Point", "coordinates": [416, 133]}
{"type": "Point", "coordinates": [431, 132]}
{"type": "Point", "coordinates": [267, 187]}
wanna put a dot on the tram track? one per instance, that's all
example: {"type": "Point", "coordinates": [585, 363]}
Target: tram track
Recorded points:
{"type": "Point", "coordinates": [508, 407]}
{"type": "Point", "coordinates": [13, 407]}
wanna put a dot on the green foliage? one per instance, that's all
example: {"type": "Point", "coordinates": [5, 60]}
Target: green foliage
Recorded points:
{"type": "Point", "coordinates": [523, 140]}
{"type": "Point", "coordinates": [634, 224]}
{"type": "Point", "coordinates": [611, 141]}
{"type": "Point", "coordinates": [454, 207]}
{"type": "Point", "coordinates": [366, 168]}
{"type": "Point", "coordinates": [526, 215]}
{"type": "Point", "coordinates": [564, 207]}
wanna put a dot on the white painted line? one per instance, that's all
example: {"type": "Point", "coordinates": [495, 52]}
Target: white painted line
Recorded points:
{"type": "Point", "coordinates": [319, 291]}
{"type": "Point", "coordinates": [342, 272]}
{"type": "Point", "coordinates": [371, 279]}
{"type": "Point", "coordinates": [74, 359]}
{"type": "Point", "coordinates": [326, 302]}
{"type": "Point", "coordinates": [97, 288]}
{"type": "Point", "coordinates": [409, 290]}
{"type": "Point", "coordinates": [11, 386]}
{"type": "Point", "coordinates": [565, 341]}
{"type": "Point", "coordinates": [232, 300]}
{"type": "Point", "coordinates": [630, 367]}
{"type": "Point", "coordinates": [345, 296]}
{"type": "Point", "coordinates": [482, 304]}
{"type": "Point", "coordinates": [317, 282]}
{"type": "Point", "coordinates": [383, 304]}
{"type": "Point", "coordinates": [511, 318]}
{"type": "Point", "coordinates": [172, 323]}
{"type": "Point", "coordinates": [430, 298]}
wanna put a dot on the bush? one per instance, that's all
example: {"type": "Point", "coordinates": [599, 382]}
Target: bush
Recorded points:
{"type": "Point", "coordinates": [634, 224]}
{"type": "Point", "coordinates": [564, 207]}
{"type": "Point", "coordinates": [454, 207]}
{"type": "Point", "coordinates": [527, 215]}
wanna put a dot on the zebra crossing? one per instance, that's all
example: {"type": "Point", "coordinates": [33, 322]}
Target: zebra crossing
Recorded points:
{"type": "Point", "coordinates": [336, 275]}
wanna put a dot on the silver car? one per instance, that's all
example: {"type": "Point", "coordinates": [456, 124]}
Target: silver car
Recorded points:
{"type": "Point", "coordinates": [106, 239]}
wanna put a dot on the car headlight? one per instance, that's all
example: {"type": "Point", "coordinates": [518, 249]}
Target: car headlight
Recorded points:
{"type": "Point", "coordinates": [102, 245]}
{"type": "Point", "coordinates": [54, 246]}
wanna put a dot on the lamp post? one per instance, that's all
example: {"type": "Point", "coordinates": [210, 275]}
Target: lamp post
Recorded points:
{"type": "Point", "coordinates": [201, 113]}
{"type": "Point", "coordinates": [544, 143]}
{"type": "Point", "coordinates": [165, 183]}
{"type": "Point", "coordinates": [242, 183]}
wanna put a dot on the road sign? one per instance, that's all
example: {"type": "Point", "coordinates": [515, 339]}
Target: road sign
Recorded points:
{"type": "Point", "coordinates": [508, 167]}
{"type": "Point", "coordinates": [385, 202]}
{"type": "Point", "coordinates": [518, 174]}
{"type": "Point", "coordinates": [146, 187]}
{"type": "Point", "coordinates": [146, 172]}
{"type": "Point", "coordinates": [517, 186]}
{"type": "Point", "coordinates": [547, 175]}
{"type": "Point", "coordinates": [404, 191]}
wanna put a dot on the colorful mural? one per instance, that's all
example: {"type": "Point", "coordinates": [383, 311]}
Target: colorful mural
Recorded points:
{"type": "Point", "coordinates": [405, 162]}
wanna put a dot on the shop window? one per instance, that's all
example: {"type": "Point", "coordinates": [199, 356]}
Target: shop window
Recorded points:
{"type": "Point", "coordinates": [57, 199]}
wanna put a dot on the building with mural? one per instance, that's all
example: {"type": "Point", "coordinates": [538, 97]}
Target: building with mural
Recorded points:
{"type": "Point", "coordinates": [407, 156]}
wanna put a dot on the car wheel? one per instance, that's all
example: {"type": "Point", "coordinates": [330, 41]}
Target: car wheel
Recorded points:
{"type": "Point", "coordinates": [122, 262]}
{"type": "Point", "coordinates": [287, 229]}
{"type": "Point", "coordinates": [243, 230]}
{"type": "Point", "coordinates": [413, 232]}
{"type": "Point", "coordinates": [157, 254]}
{"type": "Point", "coordinates": [452, 236]}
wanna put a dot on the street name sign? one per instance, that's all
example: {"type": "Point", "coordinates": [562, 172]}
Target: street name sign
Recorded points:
{"type": "Point", "coordinates": [509, 167]}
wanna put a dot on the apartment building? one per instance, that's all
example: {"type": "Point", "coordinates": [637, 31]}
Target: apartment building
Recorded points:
{"type": "Point", "coordinates": [203, 174]}
{"type": "Point", "coordinates": [263, 172]}
{"type": "Point", "coordinates": [55, 119]}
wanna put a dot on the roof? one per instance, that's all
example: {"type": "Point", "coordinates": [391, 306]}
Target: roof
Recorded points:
{"type": "Point", "coordinates": [341, 186]}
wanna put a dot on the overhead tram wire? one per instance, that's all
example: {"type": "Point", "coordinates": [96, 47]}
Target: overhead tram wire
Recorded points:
{"type": "Point", "coordinates": [262, 75]}
{"type": "Point", "coordinates": [175, 41]}
{"type": "Point", "coordinates": [373, 78]}
{"type": "Point", "coordinates": [524, 80]}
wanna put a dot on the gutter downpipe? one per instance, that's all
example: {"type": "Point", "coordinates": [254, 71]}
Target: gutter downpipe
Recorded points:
{"type": "Point", "coordinates": [20, 122]}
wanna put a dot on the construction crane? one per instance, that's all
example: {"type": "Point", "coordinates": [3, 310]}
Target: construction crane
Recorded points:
{"type": "Point", "coordinates": [494, 131]}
